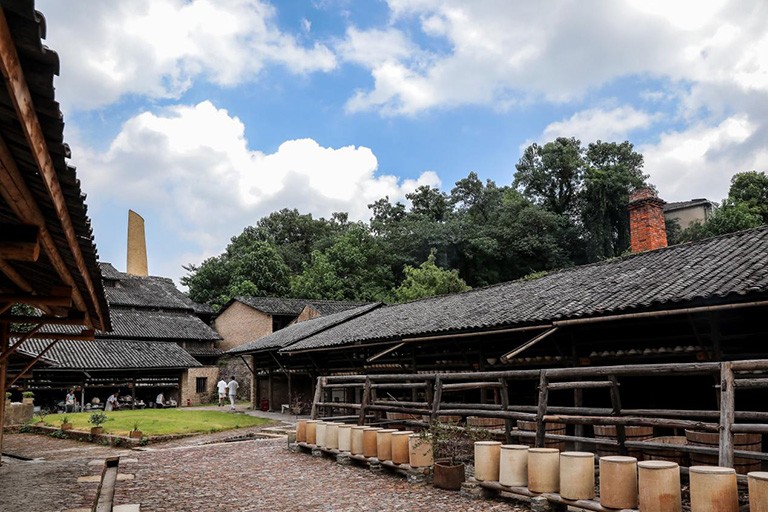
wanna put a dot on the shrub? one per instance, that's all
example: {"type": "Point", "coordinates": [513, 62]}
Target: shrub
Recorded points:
{"type": "Point", "coordinates": [28, 394]}
{"type": "Point", "coordinates": [97, 418]}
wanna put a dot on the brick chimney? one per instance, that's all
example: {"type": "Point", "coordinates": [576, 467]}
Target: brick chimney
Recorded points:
{"type": "Point", "coordinates": [137, 246]}
{"type": "Point", "coordinates": [646, 221]}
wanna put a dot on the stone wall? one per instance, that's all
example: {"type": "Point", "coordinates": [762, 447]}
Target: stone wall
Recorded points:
{"type": "Point", "coordinates": [18, 413]}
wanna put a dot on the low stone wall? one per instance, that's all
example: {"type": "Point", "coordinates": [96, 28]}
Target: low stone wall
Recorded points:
{"type": "Point", "coordinates": [18, 413]}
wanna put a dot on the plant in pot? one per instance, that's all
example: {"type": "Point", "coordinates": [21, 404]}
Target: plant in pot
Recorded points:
{"type": "Point", "coordinates": [135, 433]}
{"type": "Point", "coordinates": [453, 446]}
{"type": "Point", "coordinates": [7, 398]}
{"type": "Point", "coordinates": [40, 415]}
{"type": "Point", "coordinates": [297, 404]}
{"type": "Point", "coordinates": [28, 397]}
{"type": "Point", "coordinates": [97, 419]}
{"type": "Point", "coordinates": [65, 424]}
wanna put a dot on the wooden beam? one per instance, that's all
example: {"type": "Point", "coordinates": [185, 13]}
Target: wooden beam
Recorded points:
{"type": "Point", "coordinates": [38, 300]}
{"type": "Point", "coordinates": [32, 363]}
{"type": "Point", "coordinates": [74, 318]}
{"type": "Point", "coordinates": [20, 242]}
{"type": "Point", "coordinates": [22, 101]}
{"type": "Point", "coordinates": [6, 353]}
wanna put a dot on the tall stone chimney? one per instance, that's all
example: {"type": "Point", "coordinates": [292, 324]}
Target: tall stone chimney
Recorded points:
{"type": "Point", "coordinates": [137, 245]}
{"type": "Point", "coordinates": [646, 221]}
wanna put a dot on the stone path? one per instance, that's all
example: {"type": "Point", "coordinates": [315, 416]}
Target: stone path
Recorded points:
{"type": "Point", "coordinates": [191, 475]}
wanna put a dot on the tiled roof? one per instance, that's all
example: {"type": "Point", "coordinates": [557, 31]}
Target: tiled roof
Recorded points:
{"type": "Point", "coordinates": [151, 291]}
{"type": "Point", "coordinates": [202, 349]}
{"type": "Point", "coordinates": [288, 307]}
{"type": "Point", "coordinates": [686, 204]}
{"type": "Point", "coordinates": [298, 331]}
{"type": "Point", "coordinates": [113, 354]}
{"type": "Point", "coordinates": [39, 64]}
{"type": "Point", "coordinates": [729, 268]}
{"type": "Point", "coordinates": [157, 325]}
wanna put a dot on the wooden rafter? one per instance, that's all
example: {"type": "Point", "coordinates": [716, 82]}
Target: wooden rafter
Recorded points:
{"type": "Point", "coordinates": [22, 101]}
{"type": "Point", "coordinates": [20, 242]}
{"type": "Point", "coordinates": [32, 363]}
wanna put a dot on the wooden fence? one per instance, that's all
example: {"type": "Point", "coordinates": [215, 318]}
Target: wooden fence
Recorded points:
{"type": "Point", "coordinates": [426, 398]}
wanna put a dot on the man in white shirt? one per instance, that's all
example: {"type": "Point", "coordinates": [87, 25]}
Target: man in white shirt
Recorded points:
{"type": "Point", "coordinates": [222, 389]}
{"type": "Point", "coordinates": [232, 385]}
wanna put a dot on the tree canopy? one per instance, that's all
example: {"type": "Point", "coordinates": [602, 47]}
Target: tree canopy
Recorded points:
{"type": "Point", "coordinates": [566, 205]}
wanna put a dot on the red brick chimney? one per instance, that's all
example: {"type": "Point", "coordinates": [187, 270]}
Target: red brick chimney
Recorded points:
{"type": "Point", "coordinates": [646, 221]}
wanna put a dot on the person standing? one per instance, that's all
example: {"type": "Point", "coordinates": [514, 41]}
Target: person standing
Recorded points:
{"type": "Point", "coordinates": [222, 389]}
{"type": "Point", "coordinates": [69, 401]}
{"type": "Point", "coordinates": [232, 385]}
{"type": "Point", "coordinates": [112, 402]}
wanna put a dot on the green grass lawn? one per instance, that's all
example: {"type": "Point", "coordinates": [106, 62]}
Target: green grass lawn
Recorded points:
{"type": "Point", "coordinates": [155, 422]}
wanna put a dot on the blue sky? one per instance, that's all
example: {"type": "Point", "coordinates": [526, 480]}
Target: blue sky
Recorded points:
{"type": "Point", "coordinates": [204, 116]}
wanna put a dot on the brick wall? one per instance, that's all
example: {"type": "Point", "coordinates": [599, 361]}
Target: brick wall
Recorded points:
{"type": "Point", "coordinates": [308, 313]}
{"type": "Point", "coordinates": [646, 221]}
{"type": "Point", "coordinates": [188, 390]}
{"type": "Point", "coordinates": [239, 324]}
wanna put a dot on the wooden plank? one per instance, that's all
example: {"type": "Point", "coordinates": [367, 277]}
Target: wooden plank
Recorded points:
{"type": "Point", "coordinates": [20, 242]}
{"type": "Point", "coordinates": [470, 385]}
{"type": "Point", "coordinates": [751, 383]}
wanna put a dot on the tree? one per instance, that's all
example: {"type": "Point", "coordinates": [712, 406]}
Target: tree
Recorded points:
{"type": "Point", "coordinates": [750, 189]}
{"type": "Point", "coordinates": [428, 280]}
{"type": "Point", "coordinates": [612, 172]}
{"type": "Point", "coordinates": [551, 175]}
{"type": "Point", "coordinates": [728, 218]}
{"type": "Point", "coordinates": [429, 202]}
{"type": "Point", "coordinates": [247, 267]}
{"type": "Point", "coordinates": [355, 267]}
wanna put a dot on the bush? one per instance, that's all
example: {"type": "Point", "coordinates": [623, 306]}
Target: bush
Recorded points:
{"type": "Point", "coordinates": [97, 418]}
{"type": "Point", "coordinates": [453, 442]}
{"type": "Point", "coordinates": [28, 394]}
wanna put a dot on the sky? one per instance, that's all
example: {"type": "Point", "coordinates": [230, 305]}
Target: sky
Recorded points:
{"type": "Point", "coordinates": [204, 116]}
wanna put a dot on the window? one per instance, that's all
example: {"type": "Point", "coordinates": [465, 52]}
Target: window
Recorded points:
{"type": "Point", "coordinates": [201, 384]}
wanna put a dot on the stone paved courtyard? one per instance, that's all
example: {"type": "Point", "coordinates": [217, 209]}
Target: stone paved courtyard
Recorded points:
{"type": "Point", "coordinates": [190, 475]}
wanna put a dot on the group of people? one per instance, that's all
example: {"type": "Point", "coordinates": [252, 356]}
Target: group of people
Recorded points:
{"type": "Point", "coordinates": [223, 387]}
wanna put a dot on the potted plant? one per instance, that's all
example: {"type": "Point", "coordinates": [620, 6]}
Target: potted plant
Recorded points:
{"type": "Point", "coordinates": [97, 419]}
{"type": "Point", "coordinates": [28, 397]}
{"type": "Point", "coordinates": [40, 415]}
{"type": "Point", "coordinates": [135, 433]}
{"type": "Point", "coordinates": [7, 399]}
{"type": "Point", "coordinates": [453, 446]}
{"type": "Point", "coordinates": [65, 424]}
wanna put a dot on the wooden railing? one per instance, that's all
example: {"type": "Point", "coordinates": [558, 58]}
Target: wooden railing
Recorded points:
{"type": "Point", "coordinates": [428, 393]}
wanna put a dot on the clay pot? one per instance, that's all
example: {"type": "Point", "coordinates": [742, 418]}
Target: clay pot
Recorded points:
{"type": "Point", "coordinates": [577, 475]}
{"type": "Point", "coordinates": [513, 465]}
{"type": "Point", "coordinates": [487, 454]}
{"type": "Point", "coordinates": [448, 476]}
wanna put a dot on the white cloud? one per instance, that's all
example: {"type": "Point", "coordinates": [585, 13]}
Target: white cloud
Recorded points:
{"type": "Point", "coordinates": [192, 167]}
{"type": "Point", "coordinates": [498, 52]}
{"type": "Point", "coordinates": [157, 48]}
{"type": "Point", "coordinates": [599, 124]}
{"type": "Point", "coordinates": [700, 160]}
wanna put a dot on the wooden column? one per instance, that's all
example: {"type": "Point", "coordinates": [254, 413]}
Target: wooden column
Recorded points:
{"type": "Point", "coordinates": [269, 388]}
{"type": "Point", "coordinates": [133, 393]}
{"type": "Point", "coordinates": [727, 404]}
{"type": "Point", "coordinates": [5, 333]}
{"type": "Point", "coordinates": [541, 431]}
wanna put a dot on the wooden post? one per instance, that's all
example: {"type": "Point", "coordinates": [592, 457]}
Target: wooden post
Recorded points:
{"type": "Point", "coordinates": [269, 387]}
{"type": "Point", "coordinates": [4, 340]}
{"type": "Point", "coordinates": [365, 400]}
{"type": "Point", "coordinates": [438, 396]}
{"type": "Point", "coordinates": [318, 395]}
{"type": "Point", "coordinates": [727, 403]}
{"type": "Point", "coordinates": [542, 409]}
{"type": "Point", "coordinates": [578, 401]}
{"type": "Point", "coordinates": [621, 435]}
{"type": "Point", "coordinates": [504, 392]}
{"type": "Point", "coordinates": [133, 393]}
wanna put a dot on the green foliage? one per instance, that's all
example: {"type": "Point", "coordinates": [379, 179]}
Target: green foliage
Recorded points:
{"type": "Point", "coordinates": [750, 190]}
{"type": "Point", "coordinates": [7, 395]}
{"type": "Point", "coordinates": [59, 434]}
{"type": "Point", "coordinates": [551, 174]}
{"type": "Point", "coordinates": [28, 394]}
{"type": "Point", "coordinates": [728, 218]}
{"type": "Point", "coordinates": [97, 418]}
{"type": "Point", "coordinates": [612, 172]}
{"type": "Point", "coordinates": [353, 268]}
{"type": "Point", "coordinates": [429, 280]}
{"type": "Point", "coordinates": [64, 419]}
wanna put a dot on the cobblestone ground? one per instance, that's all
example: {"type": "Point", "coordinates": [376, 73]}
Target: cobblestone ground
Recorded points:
{"type": "Point", "coordinates": [189, 475]}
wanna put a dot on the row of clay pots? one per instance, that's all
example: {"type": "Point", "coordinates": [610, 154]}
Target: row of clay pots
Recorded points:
{"type": "Point", "coordinates": [397, 446]}
{"type": "Point", "coordinates": [652, 486]}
